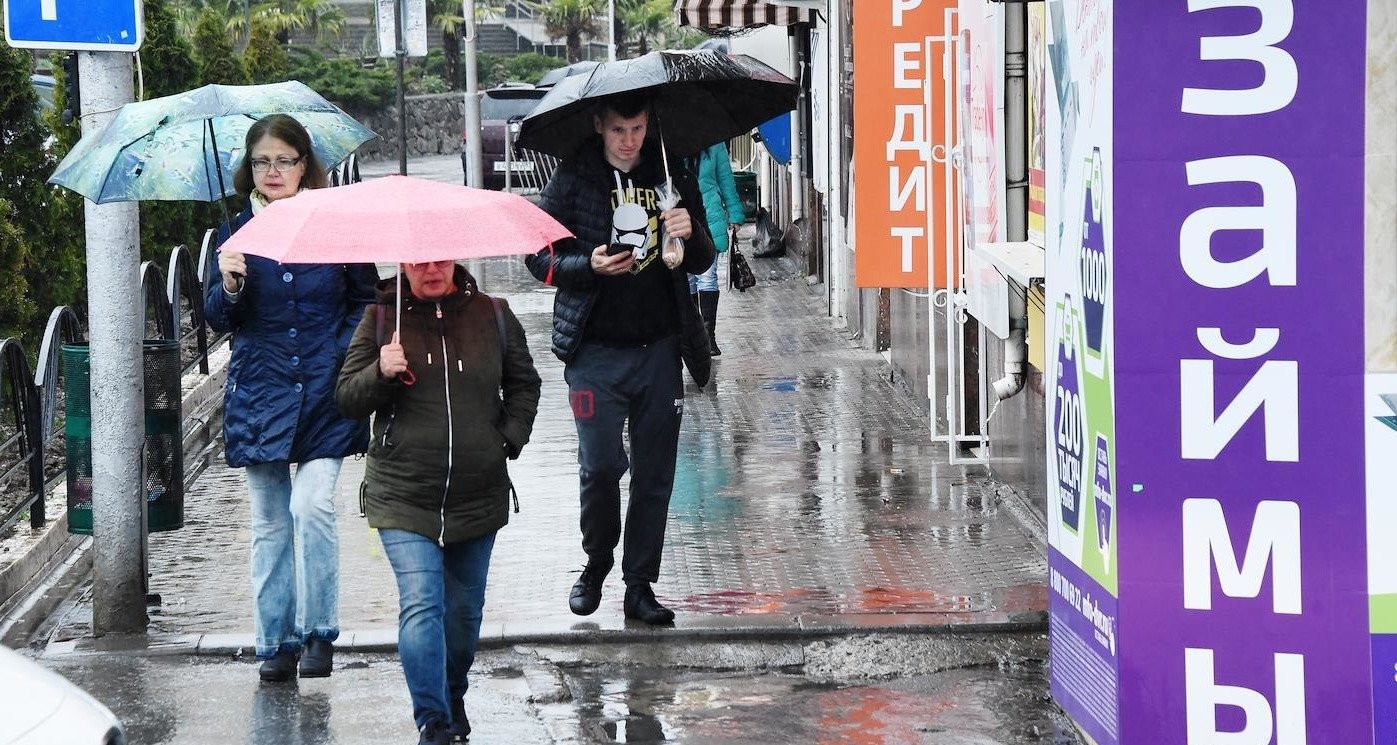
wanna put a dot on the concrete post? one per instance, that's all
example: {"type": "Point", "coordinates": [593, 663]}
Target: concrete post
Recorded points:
{"type": "Point", "coordinates": [611, 30]}
{"type": "Point", "coordinates": [116, 325]}
{"type": "Point", "coordinates": [400, 53]}
{"type": "Point", "coordinates": [474, 175]}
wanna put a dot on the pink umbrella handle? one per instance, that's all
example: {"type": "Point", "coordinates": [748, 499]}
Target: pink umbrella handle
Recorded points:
{"type": "Point", "coordinates": [407, 378]}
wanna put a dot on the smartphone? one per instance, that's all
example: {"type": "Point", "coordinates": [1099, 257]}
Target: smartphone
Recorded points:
{"type": "Point", "coordinates": [617, 248]}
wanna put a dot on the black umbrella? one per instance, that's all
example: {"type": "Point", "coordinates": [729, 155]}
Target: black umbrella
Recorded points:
{"type": "Point", "coordinates": [556, 75]}
{"type": "Point", "coordinates": [699, 98]}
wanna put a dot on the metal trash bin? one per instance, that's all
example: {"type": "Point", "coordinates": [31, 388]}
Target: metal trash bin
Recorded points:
{"type": "Point", "coordinates": [163, 449]}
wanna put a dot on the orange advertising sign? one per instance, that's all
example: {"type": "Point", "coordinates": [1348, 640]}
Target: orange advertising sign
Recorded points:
{"type": "Point", "coordinates": [901, 124]}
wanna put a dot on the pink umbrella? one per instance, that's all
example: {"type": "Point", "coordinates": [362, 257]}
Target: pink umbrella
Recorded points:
{"type": "Point", "coordinates": [396, 218]}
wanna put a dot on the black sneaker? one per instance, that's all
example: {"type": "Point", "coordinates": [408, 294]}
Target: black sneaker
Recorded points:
{"type": "Point", "coordinates": [435, 732]}
{"type": "Point", "coordinates": [279, 668]}
{"type": "Point", "coordinates": [586, 593]}
{"type": "Point", "coordinates": [318, 660]}
{"type": "Point", "coordinates": [460, 725]}
{"type": "Point", "coordinates": [641, 604]}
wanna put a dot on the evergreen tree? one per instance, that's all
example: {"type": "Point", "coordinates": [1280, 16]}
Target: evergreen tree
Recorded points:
{"type": "Point", "coordinates": [218, 62]}
{"type": "Point", "coordinates": [17, 311]}
{"type": "Point", "coordinates": [265, 57]}
{"type": "Point", "coordinates": [26, 219]}
{"type": "Point", "coordinates": [167, 58]}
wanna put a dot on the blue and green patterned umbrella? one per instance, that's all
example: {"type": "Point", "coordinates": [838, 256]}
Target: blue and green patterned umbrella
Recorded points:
{"type": "Point", "coordinates": [186, 146]}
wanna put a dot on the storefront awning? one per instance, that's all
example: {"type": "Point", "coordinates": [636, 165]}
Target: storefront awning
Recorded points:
{"type": "Point", "coordinates": [716, 14]}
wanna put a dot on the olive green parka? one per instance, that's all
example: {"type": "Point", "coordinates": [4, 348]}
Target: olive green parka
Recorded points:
{"type": "Point", "coordinates": [436, 459]}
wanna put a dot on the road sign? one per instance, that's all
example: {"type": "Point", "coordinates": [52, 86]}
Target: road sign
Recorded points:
{"type": "Point", "coordinates": [86, 25]}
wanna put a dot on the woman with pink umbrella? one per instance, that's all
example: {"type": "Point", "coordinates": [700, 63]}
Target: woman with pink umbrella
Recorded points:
{"type": "Point", "coordinates": [453, 393]}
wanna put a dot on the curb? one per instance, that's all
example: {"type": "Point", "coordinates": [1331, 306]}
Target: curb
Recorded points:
{"type": "Point", "coordinates": [496, 635]}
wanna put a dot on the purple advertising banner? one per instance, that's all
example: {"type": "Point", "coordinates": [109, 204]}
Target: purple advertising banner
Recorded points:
{"type": "Point", "coordinates": [1238, 269]}
{"type": "Point", "coordinates": [1082, 631]}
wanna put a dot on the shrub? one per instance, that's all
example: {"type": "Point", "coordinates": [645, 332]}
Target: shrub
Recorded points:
{"type": "Point", "coordinates": [354, 85]}
{"type": "Point", "coordinates": [528, 68]}
{"type": "Point", "coordinates": [431, 84]}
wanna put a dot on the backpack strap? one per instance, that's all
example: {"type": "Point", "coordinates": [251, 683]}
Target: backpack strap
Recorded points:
{"type": "Point", "coordinates": [496, 304]}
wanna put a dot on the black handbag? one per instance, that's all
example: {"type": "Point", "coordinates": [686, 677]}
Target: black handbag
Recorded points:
{"type": "Point", "coordinates": [740, 276]}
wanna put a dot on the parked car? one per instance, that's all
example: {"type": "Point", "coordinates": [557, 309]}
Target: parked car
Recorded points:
{"type": "Point", "coordinates": [499, 108]}
{"type": "Point", "coordinates": [40, 707]}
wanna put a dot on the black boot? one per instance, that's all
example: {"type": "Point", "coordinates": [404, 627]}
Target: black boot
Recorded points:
{"type": "Point", "coordinates": [318, 660]}
{"type": "Point", "coordinates": [280, 668]}
{"type": "Point", "coordinates": [640, 604]}
{"type": "Point", "coordinates": [586, 593]}
{"type": "Point", "coordinates": [708, 306]}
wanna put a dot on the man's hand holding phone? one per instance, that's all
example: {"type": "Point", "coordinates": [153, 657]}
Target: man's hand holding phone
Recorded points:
{"type": "Point", "coordinates": [612, 260]}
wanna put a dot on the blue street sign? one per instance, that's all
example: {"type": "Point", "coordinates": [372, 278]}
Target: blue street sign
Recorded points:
{"type": "Point", "coordinates": [86, 25]}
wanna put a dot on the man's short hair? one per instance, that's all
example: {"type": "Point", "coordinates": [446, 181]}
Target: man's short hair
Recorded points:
{"type": "Point", "coordinates": [625, 105]}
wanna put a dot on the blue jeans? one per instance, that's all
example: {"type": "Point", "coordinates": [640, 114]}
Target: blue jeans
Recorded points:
{"type": "Point", "coordinates": [706, 282]}
{"type": "Point", "coordinates": [295, 554]}
{"type": "Point", "coordinates": [441, 597]}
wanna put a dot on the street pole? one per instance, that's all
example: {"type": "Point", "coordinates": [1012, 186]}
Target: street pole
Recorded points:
{"type": "Point", "coordinates": [611, 30]}
{"type": "Point", "coordinates": [116, 323]}
{"type": "Point", "coordinates": [400, 51]}
{"type": "Point", "coordinates": [474, 175]}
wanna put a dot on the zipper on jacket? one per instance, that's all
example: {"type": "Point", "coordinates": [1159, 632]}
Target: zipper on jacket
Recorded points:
{"type": "Point", "coordinates": [450, 435]}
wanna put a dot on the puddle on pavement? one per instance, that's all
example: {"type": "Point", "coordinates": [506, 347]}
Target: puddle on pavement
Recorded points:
{"type": "Point", "coordinates": [1002, 704]}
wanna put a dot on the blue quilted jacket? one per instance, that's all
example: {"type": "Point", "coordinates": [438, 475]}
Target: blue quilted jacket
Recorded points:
{"type": "Point", "coordinates": [291, 326]}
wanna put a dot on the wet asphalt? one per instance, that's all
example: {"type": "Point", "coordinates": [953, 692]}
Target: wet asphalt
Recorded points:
{"type": "Point", "coordinates": [809, 497]}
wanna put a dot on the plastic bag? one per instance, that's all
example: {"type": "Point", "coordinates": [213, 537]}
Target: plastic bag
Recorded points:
{"type": "Point", "coordinates": [767, 238]}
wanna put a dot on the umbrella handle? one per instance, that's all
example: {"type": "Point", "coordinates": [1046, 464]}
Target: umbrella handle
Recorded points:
{"type": "Point", "coordinates": [407, 378]}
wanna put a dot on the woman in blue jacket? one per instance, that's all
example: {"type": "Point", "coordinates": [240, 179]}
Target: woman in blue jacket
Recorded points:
{"type": "Point", "coordinates": [724, 207]}
{"type": "Point", "coordinates": [291, 326]}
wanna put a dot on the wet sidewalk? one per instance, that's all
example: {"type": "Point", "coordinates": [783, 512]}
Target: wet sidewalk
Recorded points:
{"type": "Point", "coordinates": [809, 500]}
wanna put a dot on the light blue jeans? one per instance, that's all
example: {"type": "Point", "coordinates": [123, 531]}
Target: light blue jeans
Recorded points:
{"type": "Point", "coordinates": [295, 554]}
{"type": "Point", "coordinates": [706, 282]}
{"type": "Point", "coordinates": [441, 599]}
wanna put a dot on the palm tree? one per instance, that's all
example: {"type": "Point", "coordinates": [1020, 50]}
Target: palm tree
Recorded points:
{"type": "Point", "coordinates": [323, 18]}
{"type": "Point", "coordinates": [570, 19]}
{"type": "Point", "coordinates": [645, 20]}
{"type": "Point", "coordinates": [446, 17]}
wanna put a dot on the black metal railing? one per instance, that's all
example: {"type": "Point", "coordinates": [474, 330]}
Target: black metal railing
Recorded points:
{"type": "Point", "coordinates": [20, 438]}
{"type": "Point", "coordinates": [30, 435]}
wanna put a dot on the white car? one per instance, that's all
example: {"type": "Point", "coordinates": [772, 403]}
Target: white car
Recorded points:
{"type": "Point", "coordinates": [40, 707]}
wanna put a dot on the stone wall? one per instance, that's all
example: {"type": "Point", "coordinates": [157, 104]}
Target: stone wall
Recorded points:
{"type": "Point", "coordinates": [433, 127]}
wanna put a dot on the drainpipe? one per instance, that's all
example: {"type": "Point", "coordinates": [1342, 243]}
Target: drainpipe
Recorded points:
{"type": "Point", "coordinates": [795, 175]}
{"type": "Point", "coordinates": [1016, 171]}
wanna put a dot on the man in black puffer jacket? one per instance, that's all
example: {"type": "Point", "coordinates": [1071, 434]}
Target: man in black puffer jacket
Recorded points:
{"type": "Point", "coordinates": [622, 320]}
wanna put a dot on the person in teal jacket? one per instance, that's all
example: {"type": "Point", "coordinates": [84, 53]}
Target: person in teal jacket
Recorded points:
{"type": "Point", "coordinates": [723, 207]}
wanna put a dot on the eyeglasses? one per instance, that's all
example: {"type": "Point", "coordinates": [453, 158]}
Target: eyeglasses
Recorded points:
{"type": "Point", "coordinates": [282, 165]}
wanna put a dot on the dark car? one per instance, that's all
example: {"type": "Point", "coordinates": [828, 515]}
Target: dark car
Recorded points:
{"type": "Point", "coordinates": [499, 108]}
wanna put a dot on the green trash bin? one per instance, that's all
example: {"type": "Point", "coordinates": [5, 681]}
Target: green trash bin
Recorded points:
{"type": "Point", "coordinates": [163, 449]}
{"type": "Point", "coordinates": [747, 191]}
